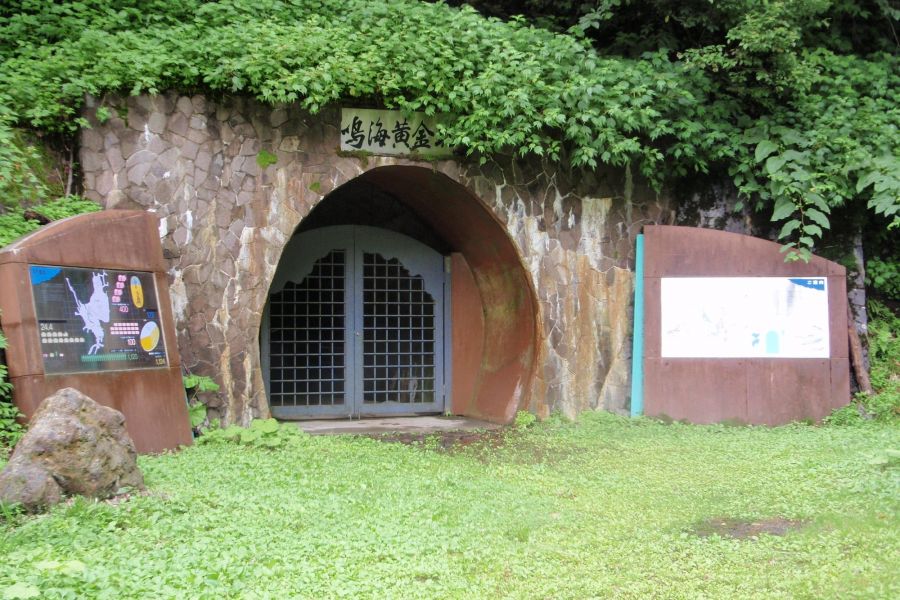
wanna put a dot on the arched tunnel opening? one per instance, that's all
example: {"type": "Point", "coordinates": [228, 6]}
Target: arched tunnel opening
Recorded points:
{"type": "Point", "coordinates": [399, 293]}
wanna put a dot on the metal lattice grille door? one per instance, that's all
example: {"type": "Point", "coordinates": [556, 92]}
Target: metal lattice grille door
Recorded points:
{"type": "Point", "coordinates": [355, 326]}
{"type": "Point", "coordinates": [306, 339]}
{"type": "Point", "coordinates": [398, 335]}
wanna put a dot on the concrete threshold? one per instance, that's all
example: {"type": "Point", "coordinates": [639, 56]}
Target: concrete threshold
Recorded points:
{"type": "Point", "coordinates": [423, 425]}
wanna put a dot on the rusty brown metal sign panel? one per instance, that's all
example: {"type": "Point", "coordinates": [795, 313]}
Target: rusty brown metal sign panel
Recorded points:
{"type": "Point", "coordinates": [85, 304]}
{"type": "Point", "coordinates": [743, 336]}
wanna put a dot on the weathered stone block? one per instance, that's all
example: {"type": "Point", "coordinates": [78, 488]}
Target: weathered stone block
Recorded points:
{"type": "Point", "coordinates": [250, 147]}
{"type": "Point", "coordinates": [137, 173]}
{"type": "Point", "coordinates": [163, 191]}
{"type": "Point", "coordinates": [116, 161]}
{"type": "Point", "coordinates": [153, 143]}
{"type": "Point", "coordinates": [136, 119]}
{"type": "Point", "coordinates": [140, 157]}
{"type": "Point", "coordinates": [92, 139]}
{"type": "Point", "coordinates": [104, 182]}
{"type": "Point", "coordinates": [197, 136]}
{"type": "Point", "coordinates": [130, 141]}
{"type": "Point", "coordinates": [290, 143]}
{"type": "Point", "coordinates": [157, 122]}
{"type": "Point", "coordinates": [199, 103]}
{"type": "Point", "coordinates": [204, 160]}
{"type": "Point", "coordinates": [146, 103]}
{"type": "Point", "coordinates": [169, 159]}
{"type": "Point", "coordinates": [178, 124]}
{"type": "Point", "coordinates": [93, 162]}
{"type": "Point", "coordinates": [251, 167]}
{"type": "Point", "coordinates": [278, 117]}
{"type": "Point", "coordinates": [198, 122]}
{"type": "Point", "coordinates": [185, 106]}
{"type": "Point", "coordinates": [189, 149]}
{"type": "Point", "coordinates": [244, 198]}
{"type": "Point", "coordinates": [181, 237]}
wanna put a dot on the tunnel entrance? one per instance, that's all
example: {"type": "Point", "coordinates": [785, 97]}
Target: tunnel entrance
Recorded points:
{"type": "Point", "coordinates": [399, 293]}
{"type": "Point", "coordinates": [355, 326]}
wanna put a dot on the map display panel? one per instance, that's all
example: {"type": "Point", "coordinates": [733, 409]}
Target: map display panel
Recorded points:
{"type": "Point", "coordinates": [97, 319]}
{"type": "Point", "coordinates": [744, 317]}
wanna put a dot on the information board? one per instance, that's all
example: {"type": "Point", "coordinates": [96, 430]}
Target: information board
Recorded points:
{"type": "Point", "coordinates": [744, 317]}
{"type": "Point", "coordinates": [97, 319]}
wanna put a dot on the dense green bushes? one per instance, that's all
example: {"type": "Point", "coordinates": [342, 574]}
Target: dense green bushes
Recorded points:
{"type": "Point", "coordinates": [884, 356]}
{"type": "Point", "coordinates": [801, 125]}
{"type": "Point", "coordinates": [10, 429]}
{"type": "Point", "coordinates": [884, 360]}
{"type": "Point", "coordinates": [14, 223]}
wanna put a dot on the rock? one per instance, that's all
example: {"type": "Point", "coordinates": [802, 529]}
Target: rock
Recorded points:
{"type": "Point", "coordinates": [73, 446]}
{"type": "Point", "coordinates": [30, 485]}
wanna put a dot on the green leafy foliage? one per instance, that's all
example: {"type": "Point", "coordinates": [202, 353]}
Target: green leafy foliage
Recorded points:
{"type": "Point", "coordinates": [21, 591]}
{"type": "Point", "coordinates": [836, 144]}
{"type": "Point", "coordinates": [194, 385]}
{"type": "Point", "coordinates": [262, 433]}
{"type": "Point", "coordinates": [199, 383]}
{"type": "Point", "coordinates": [14, 224]}
{"type": "Point", "coordinates": [884, 277]}
{"type": "Point", "coordinates": [884, 372]}
{"type": "Point", "coordinates": [601, 507]}
{"type": "Point", "coordinates": [524, 420]}
{"type": "Point", "coordinates": [884, 357]}
{"type": "Point", "coordinates": [10, 428]}
{"type": "Point", "coordinates": [196, 414]}
{"type": "Point", "coordinates": [796, 98]}
{"type": "Point", "coordinates": [11, 431]}
{"type": "Point", "coordinates": [18, 181]}
{"type": "Point", "coordinates": [265, 159]}
{"type": "Point", "coordinates": [22, 166]}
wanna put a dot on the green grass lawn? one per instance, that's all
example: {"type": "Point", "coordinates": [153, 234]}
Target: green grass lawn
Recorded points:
{"type": "Point", "coordinates": [605, 507]}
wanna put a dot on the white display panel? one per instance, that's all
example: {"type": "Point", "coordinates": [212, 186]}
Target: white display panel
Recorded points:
{"type": "Point", "coordinates": [744, 317]}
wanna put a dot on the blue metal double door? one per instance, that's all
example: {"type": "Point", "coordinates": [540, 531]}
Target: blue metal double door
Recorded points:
{"type": "Point", "coordinates": [355, 326]}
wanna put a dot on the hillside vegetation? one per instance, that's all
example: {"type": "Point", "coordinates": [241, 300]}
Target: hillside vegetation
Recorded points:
{"type": "Point", "coordinates": [783, 95]}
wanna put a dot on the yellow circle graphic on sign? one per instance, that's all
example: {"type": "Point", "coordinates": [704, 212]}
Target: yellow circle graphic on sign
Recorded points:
{"type": "Point", "coordinates": [137, 292]}
{"type": "Point", "coordinates": [149, 336]}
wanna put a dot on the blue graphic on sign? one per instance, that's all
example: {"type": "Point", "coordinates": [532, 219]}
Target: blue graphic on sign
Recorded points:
{"type": "Point", "coordinates": [813, 283]}
{"type": "Point", "coordinates": [41, 274]}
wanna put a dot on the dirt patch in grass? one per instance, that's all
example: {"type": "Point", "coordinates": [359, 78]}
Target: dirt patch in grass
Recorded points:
{"type": "Point", "coordinates": [503, 444]}
{"type": "Point", "coordinates": [446, 440]}
{"type": "Point", "coordinates": [742, 529]}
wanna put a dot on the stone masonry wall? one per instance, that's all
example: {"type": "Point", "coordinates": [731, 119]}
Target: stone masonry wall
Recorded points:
{"type": "Point", "coordinates": [225, 220]}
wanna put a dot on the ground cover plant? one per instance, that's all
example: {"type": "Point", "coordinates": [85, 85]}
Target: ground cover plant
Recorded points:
{"type": "Point", "coordinates": [605, 507]}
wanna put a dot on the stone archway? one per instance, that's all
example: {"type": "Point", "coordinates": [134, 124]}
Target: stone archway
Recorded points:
{"type": "Point", "coordinates": [494, 320]}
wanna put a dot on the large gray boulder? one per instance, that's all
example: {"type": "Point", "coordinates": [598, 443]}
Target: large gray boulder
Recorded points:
{"type": "Point", "coordinates": [73, 446]}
